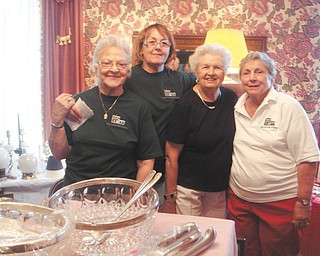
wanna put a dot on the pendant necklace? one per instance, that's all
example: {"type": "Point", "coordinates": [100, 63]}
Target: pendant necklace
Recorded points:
{"type": "Point", "coordinates": [209, 107]}
{"type": "Point", "coordinates": [105, 116]}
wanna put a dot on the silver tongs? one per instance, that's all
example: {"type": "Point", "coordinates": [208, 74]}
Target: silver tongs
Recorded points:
{"type": "Point", "coordinates": [187, 234]}
{"type": "Point", "coordinates": [186, 240]}
{"type": "Point", "coordinates": [202, 244]}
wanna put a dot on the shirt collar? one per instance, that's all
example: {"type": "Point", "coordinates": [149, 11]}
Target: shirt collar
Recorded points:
{"type": "Point", "coordinates": [272, 96]}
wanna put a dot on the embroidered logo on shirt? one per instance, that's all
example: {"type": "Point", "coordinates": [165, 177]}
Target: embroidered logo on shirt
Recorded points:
{"type": "Point", "coordinates": [169, 93]}
{"type": "Point", "coordinates": [115, 119]}
{"type": "Point", "coordinates": [269, 123]}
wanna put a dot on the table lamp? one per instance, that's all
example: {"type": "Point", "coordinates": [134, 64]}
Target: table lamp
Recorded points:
{"type": "Point", "coordinates": [4, 163]}
{"type": "Point", "coordinates": [28, 164]}
{"type": "Point", "coordinates": [53, 164]}
{"type": "Point", "coordinates": [234, 40]}
{"type": "Point", "coordinates": [54, 168]}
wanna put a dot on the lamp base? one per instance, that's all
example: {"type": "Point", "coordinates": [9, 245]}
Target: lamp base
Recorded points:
{"type": "Point", "coordinates": [28, 176]}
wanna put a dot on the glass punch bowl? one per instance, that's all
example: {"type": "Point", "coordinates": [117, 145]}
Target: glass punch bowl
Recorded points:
{"type": "Point", "coordinates": [32, 230]}
{"type": "Point", "coordinates": [93, 205]}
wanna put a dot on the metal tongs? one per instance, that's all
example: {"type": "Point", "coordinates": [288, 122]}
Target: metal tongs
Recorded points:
{"type": "Point", "coordinates": [186, 240]}
{"type": "Point", "coordinates": [202, 244]}
{"type": "Point", "coordinates": [187, 234]}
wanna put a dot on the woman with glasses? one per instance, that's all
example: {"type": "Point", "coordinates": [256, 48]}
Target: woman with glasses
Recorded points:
{"type": "Point", "coordinates": [158, 85]}
{"type": "Point", "coordinates": [199, 139]}
{"type": "Point", "coordinates": [119, 139]}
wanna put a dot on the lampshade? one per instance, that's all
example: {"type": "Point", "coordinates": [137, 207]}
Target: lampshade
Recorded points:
{"type": "Point", "coordinates": [28, 163]}
{"type": "Point", "coordinates": [53, 164]}
{"type": "Point", "coordinates": [232, 39]}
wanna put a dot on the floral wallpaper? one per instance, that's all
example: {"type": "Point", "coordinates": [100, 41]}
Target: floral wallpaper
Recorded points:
{"type": "Point", "coordinates": [292, 28]}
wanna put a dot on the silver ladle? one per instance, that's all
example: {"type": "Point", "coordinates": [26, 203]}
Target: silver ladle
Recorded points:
{"type": "Point", "coordinates": [149, 181]}
{"type": "Point", "coordinates": [99, 237]}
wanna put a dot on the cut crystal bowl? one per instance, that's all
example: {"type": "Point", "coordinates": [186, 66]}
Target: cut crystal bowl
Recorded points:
{"type": "Point", "coordinates": [93, 206]}
{"type": "Point", "coordinates": [27, 229]}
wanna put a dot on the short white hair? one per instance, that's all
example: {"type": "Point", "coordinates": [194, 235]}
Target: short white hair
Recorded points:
{"type": "Point", "coordinates": [107, 42]}
{"type": "Point", "coordinates": [266, 60]}
{"type": "Point", "coordinates": [213, 49]}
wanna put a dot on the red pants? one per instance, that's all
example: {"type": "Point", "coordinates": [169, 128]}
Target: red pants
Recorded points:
{"type": "Point", "coordinates": [267, 227]}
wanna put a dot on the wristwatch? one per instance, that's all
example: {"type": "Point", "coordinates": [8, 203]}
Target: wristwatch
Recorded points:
{"type": "Point", "coordinates": [304, 202]}
{"type": "Point", "coordinates": [170, 196]}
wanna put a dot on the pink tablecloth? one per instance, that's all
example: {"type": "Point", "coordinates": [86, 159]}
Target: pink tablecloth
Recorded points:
{"type": "Point", "coordinates": [225, 243]}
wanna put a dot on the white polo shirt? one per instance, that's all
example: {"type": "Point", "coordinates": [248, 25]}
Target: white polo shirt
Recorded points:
{"type": "Point", "coordinates": [269, 146]}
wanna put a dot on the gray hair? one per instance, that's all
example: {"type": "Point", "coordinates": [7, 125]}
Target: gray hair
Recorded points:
{"type": "Point", "coordinates": [266, 60]}
{"type": "Point", "coordinates": [110, 41]}
{"type": "Point", "coordinates": [213, 49]}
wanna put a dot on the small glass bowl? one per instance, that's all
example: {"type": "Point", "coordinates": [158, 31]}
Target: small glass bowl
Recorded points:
{"type": "Point", "coordinates": [27, 229]}
{"type": "Point", "coordinates": [93, 205]}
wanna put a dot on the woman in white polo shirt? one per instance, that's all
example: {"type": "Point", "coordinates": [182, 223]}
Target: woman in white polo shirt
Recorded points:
{"type": "Point", "coordinates": [273, 165]}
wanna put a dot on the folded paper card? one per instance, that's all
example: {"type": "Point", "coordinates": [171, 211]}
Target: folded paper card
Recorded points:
{"type": "Point", "coordinates": [85, 111]}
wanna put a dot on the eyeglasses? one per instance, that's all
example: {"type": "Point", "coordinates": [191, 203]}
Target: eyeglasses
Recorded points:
{"type": "Point", "coordinates": [215, 68]}
{"type": "Point", "coordinates": [152, 43]}
{"type": "Point", "coordinates": [107, 64]}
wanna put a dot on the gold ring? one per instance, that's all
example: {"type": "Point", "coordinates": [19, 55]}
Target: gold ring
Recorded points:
{"type": "Point", "coordinates": [69, 99]}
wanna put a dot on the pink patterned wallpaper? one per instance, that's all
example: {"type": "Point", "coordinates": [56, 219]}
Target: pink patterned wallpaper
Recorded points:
{"type": "Point", "coordinates": [292, 28]}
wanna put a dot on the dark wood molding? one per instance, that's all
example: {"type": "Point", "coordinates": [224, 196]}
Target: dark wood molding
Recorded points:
{"type": "Point", "coordinates": [191, 42]}
{"type": "Point", "coordinates": [254, 43]}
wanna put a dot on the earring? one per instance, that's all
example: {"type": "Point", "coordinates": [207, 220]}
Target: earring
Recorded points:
{"type": "Point", "coordinates": [197, 81]}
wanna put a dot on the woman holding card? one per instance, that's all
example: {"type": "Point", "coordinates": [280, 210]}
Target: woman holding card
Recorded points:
{"type": "Point", "coordinates": [118, 139]}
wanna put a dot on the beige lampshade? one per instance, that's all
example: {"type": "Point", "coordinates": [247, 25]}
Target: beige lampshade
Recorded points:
{"type": "Point", "coordinates": [232, 39]}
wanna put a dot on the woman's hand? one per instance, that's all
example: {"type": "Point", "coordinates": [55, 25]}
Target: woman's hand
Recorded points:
{"type": "Point", "coordinates": [301, 215]}
{"type": "Point", "coordinates": [64, 106]}
{"type": "Point", "coordinates": [169, 206]}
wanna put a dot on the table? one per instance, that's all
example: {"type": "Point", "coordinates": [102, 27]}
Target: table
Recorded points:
{"type": "Point", "coordinates": [310, 245]}
{"type": "Point", "coordinates": [225, 243]}
{"type": "Point", "coordinates": [32, 191]}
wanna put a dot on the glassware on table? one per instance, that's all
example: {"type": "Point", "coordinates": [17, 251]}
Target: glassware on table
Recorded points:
{"type": "Point", "coordinates": [94, 204]}
{"type": "Point", "coordinates": [31, 230]}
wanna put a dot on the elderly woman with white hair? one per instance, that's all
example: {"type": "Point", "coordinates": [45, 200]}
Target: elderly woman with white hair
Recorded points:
{"type": "Point", "coordinates": [119, 140]}
{"type": "Point", "coordinates": [199, 139]}
{"type": "Point", "coordinates": [274, 163]}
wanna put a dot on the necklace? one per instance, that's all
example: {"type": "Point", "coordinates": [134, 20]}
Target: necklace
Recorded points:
{"type": "Point", "coordinates": [204, 103]}
{"type": "Point", "coordinates": [105, 116]}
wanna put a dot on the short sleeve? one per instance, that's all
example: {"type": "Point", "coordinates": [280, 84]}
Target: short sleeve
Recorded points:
{"type": "Point", "coordinates": [148, 146]}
